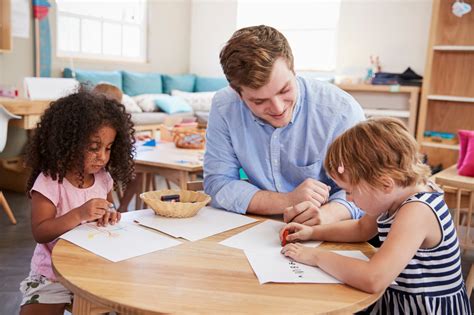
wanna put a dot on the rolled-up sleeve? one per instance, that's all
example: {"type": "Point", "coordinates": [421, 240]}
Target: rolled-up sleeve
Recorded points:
{"type": "Point", "coordinates": [221, 167]}
{"type": "Point", "coordinates": [340, 197]}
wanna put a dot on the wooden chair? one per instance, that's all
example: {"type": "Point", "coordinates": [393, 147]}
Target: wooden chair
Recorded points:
{"type": "Point", "coordinates": [449, 180]}
{"type": "Point", "coordinates": [5, 116]}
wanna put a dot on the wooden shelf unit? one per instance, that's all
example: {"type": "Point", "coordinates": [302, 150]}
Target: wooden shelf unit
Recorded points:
{"type": "Point", "coordinates": [405, 107]}
{"type": "Point", "coordinates": [5, 26]}
{"type": "Point", "coordinates": [447, 98]}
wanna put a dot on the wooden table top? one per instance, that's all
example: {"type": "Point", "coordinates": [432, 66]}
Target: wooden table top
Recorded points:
{"type": "Point", "coordinates": [450, 177]}
{"type": "Point", "coordinates": [166, 154]}
{"type": "Point", "coordinates": [22, 106]}
{"type": "Point", "coordinates": [198, 277]}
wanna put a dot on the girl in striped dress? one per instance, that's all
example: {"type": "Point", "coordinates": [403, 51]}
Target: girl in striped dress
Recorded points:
{"type": "Point", "coordinates": [418, 265]}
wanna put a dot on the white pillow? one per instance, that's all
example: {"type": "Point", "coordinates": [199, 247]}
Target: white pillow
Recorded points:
{"type": "Point", "coordinates": [147, 101]}
{"type": "Point", "coordinates": [130, 105]}
{"type": "Point", "coordinates": [199, 101]}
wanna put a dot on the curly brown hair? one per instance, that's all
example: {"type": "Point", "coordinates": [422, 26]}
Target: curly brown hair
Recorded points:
{"type": "Point", "coordinates": [248, 57]}
{"type": "Point", "coordinates": [63, 134]}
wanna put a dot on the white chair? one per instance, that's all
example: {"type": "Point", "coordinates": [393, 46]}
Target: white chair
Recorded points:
{"type": "Point", "coordinates": [5, 116]}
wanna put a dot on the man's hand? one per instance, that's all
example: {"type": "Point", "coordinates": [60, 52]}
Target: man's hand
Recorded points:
{"type": "Point", "coordinates": [305, 213]}
{"type": "Point", "coordinates": [310, 190]}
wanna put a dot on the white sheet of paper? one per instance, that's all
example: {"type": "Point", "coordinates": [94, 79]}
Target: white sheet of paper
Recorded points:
{"type": "Point", "coordinates": [118, 242]}
{"type": "Point", "coordinates": [207, 222]}
{"type": "Point", "coordinates": [272, 266]}
{"type": "Point", "coordinates": [20, 18]}
{"type": "Point", "coordinates": [262, 237]}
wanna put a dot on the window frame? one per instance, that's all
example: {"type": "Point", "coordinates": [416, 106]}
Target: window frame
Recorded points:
{"type": "Point", "coordinates": [143, 29]}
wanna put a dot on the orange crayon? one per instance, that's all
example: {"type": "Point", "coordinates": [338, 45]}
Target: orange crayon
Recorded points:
{"type": "Point", "coordinates": [283, 240]}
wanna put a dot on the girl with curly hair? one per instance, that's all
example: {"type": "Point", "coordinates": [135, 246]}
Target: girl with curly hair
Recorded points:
{"type": "Point", "coordinates": [81, 146]}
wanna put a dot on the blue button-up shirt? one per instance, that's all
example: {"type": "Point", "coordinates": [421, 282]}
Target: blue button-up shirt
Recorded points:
{"type": "Point", "coordinates": [274, 159]}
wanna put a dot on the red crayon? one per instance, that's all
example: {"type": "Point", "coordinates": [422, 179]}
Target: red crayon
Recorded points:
{"type": "Point", "coordinates": [283, 240]}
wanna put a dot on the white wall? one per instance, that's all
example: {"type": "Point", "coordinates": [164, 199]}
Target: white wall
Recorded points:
{"type": "Point", "coordinates": [395, 30]}
{"type": "Point", "coordinates": [212, 23]}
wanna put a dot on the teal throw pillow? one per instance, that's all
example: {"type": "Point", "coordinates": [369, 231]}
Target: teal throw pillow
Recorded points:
{"type": "Point", "coordinates": [141, 83]}
{"type": "Point", "coordinates": [182, 82]}
{"type": "Point", "coordinates": [92, 77]}
{"type": "Point", "coordinates": [172, 104]}
{"type": "Point", "coordinates": [209, 84]}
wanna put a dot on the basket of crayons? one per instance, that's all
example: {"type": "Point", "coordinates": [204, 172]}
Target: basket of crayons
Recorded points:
{"type": "Point", "coordinates": [189, 138]}
{"type": "Point", "coordinates": [175, 203]}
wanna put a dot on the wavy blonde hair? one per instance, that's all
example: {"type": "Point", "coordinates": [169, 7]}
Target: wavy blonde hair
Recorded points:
{"type": "Point", "coordinates": [375, 148]}
{"type": "Point", "coordinates": [247, 58]}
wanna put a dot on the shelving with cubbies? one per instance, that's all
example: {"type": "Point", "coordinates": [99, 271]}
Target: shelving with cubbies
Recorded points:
{"type": "Point", "coordinates": [447, 99]}
{"type": "Point", "coordinates": [5, 26]}
{"type": "Point", "coordinates": [387, 100]}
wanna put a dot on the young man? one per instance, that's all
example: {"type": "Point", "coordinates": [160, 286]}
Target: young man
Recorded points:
{"type": "Point", "coordinates": [276, 127]}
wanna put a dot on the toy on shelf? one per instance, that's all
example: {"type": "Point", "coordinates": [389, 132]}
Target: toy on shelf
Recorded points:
{"type": "Point", "coordinates": [440, 137]}
{"type": "Point", "coordinates": [374, 68]}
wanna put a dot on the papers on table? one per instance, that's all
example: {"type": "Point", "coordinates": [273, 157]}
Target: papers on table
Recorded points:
{"type": "Point", "coordinates": [262, 237]}
{"type": "Point", "coordinates": [208, 221]}
{"type": "Point", "coordinates": [271, 266]}
{"type": "Point", "coordinates": [119, 241]}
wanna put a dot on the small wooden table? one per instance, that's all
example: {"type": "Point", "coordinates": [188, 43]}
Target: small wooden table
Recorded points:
{"type": "Point", "coordinates": [175, 164]}
{"type": "Point", "coordinates": [30, 111]}
{"type": "Point", "coordinates": [195, 277]}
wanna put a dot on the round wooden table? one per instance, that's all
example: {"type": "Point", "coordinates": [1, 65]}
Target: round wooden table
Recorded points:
{"type": "Point", "coordinates": [195, 277]}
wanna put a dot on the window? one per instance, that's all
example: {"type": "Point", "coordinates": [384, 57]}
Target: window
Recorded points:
{"type": "Point", "coordinates": [103, 30]}
{"type": "Point", "coordinates": [309, 26]}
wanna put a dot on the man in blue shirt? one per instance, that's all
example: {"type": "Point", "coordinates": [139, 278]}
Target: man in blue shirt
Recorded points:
{"type": "Point", "coordinates": [277, 127]}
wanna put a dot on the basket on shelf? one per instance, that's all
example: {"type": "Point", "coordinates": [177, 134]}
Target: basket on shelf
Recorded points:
{"type": "Point", "coordinates": [190, 202]}
{"type": "Point", "coordinates": [189, 138]}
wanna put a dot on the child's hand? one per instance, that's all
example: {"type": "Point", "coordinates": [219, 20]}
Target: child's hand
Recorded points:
{"type": "Point", "coordinates": [300, 253]}
{"type": "Point", "coordinates": [111, 216]}
{"type": "Point", "coordinates": [93, 209]}
{"type": "Point", "coordinates": [296, 232]}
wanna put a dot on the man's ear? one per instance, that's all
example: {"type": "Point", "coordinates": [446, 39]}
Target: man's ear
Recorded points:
{"type": "Point", "coordinates": [388, 184]}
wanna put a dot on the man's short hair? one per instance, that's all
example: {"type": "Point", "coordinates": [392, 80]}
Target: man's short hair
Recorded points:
{"type": "Point", "coordinates": [247, 58]}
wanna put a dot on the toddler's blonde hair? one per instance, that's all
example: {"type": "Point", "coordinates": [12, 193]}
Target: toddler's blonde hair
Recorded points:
{"type": "Point", "coordinates": [109, 90]}
{"type": "Point", "coordinates": [375, 148]}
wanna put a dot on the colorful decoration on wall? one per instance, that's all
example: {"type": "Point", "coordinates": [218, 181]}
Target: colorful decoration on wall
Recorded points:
{"type": "Point", "coordinates": [42, 38]}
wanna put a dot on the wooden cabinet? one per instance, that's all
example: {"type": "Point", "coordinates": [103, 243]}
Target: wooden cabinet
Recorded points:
{"type": "Point", "coordinates": [5, 26]}
{"type": "Point", "coordinates": [387, 100]}
{"type": "Point", "coordinates": [447, 100]}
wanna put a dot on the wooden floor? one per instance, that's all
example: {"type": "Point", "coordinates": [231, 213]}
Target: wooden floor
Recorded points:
{"type": "Point", "coordinates": [17, 245]}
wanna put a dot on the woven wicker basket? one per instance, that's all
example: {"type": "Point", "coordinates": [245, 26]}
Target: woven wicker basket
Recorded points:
{"type": "Point", "coordinates": [189, 138]}
{"type": "Point", "coordinates": [189, 205]}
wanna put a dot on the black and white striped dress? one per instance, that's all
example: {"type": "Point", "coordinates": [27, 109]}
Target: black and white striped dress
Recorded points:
{"type": "Point", "coordinates": [432, 281]}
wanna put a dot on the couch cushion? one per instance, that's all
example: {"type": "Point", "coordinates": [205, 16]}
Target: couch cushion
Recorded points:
{"type": "Point", "coordinates": [154, 118]}
{"type": "Point", "coordinates": [466, 153]}
{"type": "Point", "coordinates": [148, 118]}
{"type": "Point", "coordinates": [141, 83]}
{"type": "Point", "coordinates": [199, 101]}
{"type": "Point", "coordinates": [147, 101]}
{"type": "Point", "coordinates": [173, 104]}
{"type": "Point", "coordinates": [208, 84]}
{"type": "Point", "coordinates": [130, 105]}
{"type": "Point", "coordinates": [92, 77]}
{"type": "Point", "coordinates": [182, 82]}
